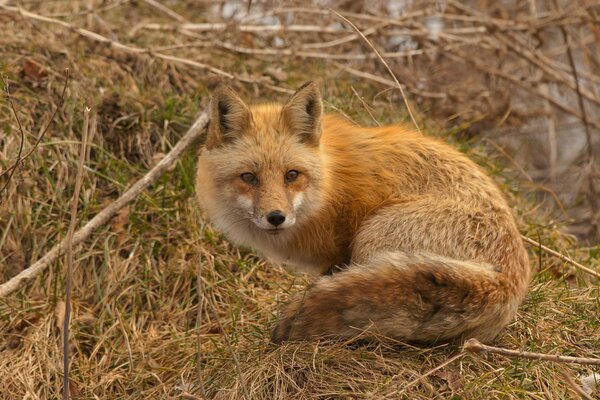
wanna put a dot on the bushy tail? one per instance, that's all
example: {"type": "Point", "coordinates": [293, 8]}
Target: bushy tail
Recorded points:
{"type": "Point", "coordinates": [414, 297]}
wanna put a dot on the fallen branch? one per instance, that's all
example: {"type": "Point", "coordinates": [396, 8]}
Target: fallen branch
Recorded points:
{"type": "Point", "coordinates": [561, 256]}
{"type": "Point", "coordinates": [106, 214]}
{"type": "Point", "coordinates": [475, 346]}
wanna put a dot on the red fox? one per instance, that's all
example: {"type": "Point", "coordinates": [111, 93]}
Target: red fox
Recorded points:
{"type": "Point", "coordinates": [414, 241]}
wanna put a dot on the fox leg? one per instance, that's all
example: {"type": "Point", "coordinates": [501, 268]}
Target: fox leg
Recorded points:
{"type": "Point", "coordinates": [412, 297]}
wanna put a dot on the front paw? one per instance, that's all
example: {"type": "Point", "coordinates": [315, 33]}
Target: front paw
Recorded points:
{"type": "Point", "coordinates": [286, 327]}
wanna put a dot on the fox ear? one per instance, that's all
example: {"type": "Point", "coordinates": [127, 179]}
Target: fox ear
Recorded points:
{"type": "Point", "coordinates": [302, 113]}
{"type": "Point", "coordinates": [229, 117]}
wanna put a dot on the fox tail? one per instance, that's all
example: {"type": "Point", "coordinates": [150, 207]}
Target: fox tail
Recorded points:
{"type": "Point", "coordinates": [413, 297]}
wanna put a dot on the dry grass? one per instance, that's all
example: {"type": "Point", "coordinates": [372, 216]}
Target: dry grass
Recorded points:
{"type": "Point", "coordinates": [135, 294]}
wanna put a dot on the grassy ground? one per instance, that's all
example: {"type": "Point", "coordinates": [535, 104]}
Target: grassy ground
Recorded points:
{"type": "Point", "coordinates": [136, 293]}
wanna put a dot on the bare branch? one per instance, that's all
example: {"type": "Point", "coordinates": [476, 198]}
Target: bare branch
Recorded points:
{"type": "Point", "coordinates": [475, 346]}
{"type": "Point", "coordinates": [561, 256]}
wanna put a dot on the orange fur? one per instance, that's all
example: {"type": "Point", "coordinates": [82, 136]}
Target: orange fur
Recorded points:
{"type": "Point", "coordinates": [419, 240]}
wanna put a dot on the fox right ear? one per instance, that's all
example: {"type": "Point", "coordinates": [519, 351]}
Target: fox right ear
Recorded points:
{"type": "Point", "coordinates": [229, 117]}
{"type": "Point", "coordinates": [302, 113]}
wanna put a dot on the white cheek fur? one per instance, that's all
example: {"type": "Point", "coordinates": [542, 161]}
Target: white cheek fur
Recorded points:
{"type": "Point", "coordinates": [245, 203]}
{"type": "Point", "coordinates": [298, 200]}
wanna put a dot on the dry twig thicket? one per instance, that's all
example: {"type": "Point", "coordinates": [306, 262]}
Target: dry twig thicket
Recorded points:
{"type": "Point", "coordinates": [513, 83]}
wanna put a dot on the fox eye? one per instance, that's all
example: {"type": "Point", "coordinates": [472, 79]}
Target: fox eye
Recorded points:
{"type": "Point", "coordinates": [249, 178]}
{"type": "Point", "coordinates": [291, 176]}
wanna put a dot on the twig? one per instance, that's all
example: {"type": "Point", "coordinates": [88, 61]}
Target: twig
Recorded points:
{"type": "Point", "coordinates": [221, 26]}
{"type": "Point", "coordinates": [20, 159]}
{"type": "Point", "coordinates": [238, 369]}
{"type": "Point", "coordinates": [199, 324]}
{"type": "Point", "coordinates": [475, 346]}
{"type": "Point", "coordinates": [323, 55]}
{"type": "Point", "coordinates": [390, 83]}
{"type": "Point", "coordinates": [69, 251]}
{"type": "Point", "coordinates": [345, 39]}
{"type": "Point", "coordinates": [166, 10]}
{"type": "Point", "coordinates": [420, 378]}
{"type": "Point", "coordinates": [14, 167]}
{"type": "Point", "coordinates": [412, 117]}
{"type": "Point", "coordinates": [561, 256]}
{"type": "Point", "coordinates": [365, 106]}
{"type": "Point", "coordinates": [106, 214]}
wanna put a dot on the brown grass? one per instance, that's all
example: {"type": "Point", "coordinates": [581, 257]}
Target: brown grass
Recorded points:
{"type": "Point", "coordinates": [136, 300]}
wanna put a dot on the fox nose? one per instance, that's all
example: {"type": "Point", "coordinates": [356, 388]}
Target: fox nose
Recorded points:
{"type": "Point", "coordinates": [276, 218]}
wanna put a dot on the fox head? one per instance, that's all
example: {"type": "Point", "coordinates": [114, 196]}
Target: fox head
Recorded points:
{"type": "Point", "coordinates": [262, 167]}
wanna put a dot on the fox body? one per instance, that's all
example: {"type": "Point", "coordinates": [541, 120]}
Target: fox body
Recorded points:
{"type": "Point", "coordinates": [414, 240]}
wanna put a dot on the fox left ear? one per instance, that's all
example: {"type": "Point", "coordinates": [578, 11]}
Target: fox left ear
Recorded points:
{"type": "Point", "coordinates": [302, 113]}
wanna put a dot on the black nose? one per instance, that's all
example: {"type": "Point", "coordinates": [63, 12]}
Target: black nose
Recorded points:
{"type": "Point", "coordinates": [276, 218]}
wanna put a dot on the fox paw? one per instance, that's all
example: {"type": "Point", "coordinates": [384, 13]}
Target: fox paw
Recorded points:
{"type": "Point", "coordinates": [287, 327]}
{"type": "Point", "coordinates": [311, 317]}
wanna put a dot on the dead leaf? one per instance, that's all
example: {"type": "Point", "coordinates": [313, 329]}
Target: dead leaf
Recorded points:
{"type": "Point", "coordinates": [277, 73]}
{"type": "Point", "coordinates": [59, 313]}
{"type": "Point", "coordinates": [33, 70]}
{"type": "Point", "coordinates": [452, 380]}
{"type": "Point", "coordinates": [74, 391]}
{"type": "Point", "coordinates": [86, 319]}
{"type": "Point", "coordinates": [589, 382]}
{"type": "Point", "coordinates": [121, 220]}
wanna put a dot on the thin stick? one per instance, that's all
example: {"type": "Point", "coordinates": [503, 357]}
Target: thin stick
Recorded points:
{"type": "Point", "coordinates": [238, 369]}
{"type": "Point", "coordinates": [561, 256]}
{"type": "Point", "coordinates": [166, 10]}
{"type": "Point", "coordinates": [395, 393]}
{"type": "Point", "coordinates": [475, 346]}
{"type": "Point", "coordinates": [14, 167]}
{"type": "Point", "coordinates": [199, 324]}
{"type": "Point", "coordinates": [365, 106]}
{"type": "Point", "coordinates": [221, 26]}
{"type": "Point", "coordinates": [106, 214]}
{"type": "Point", "coordinates": [412, 117]}
{"type": "Point", "coordinates": [69, 251]}
{"type": "Point", "coordinates": [20, 159]}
